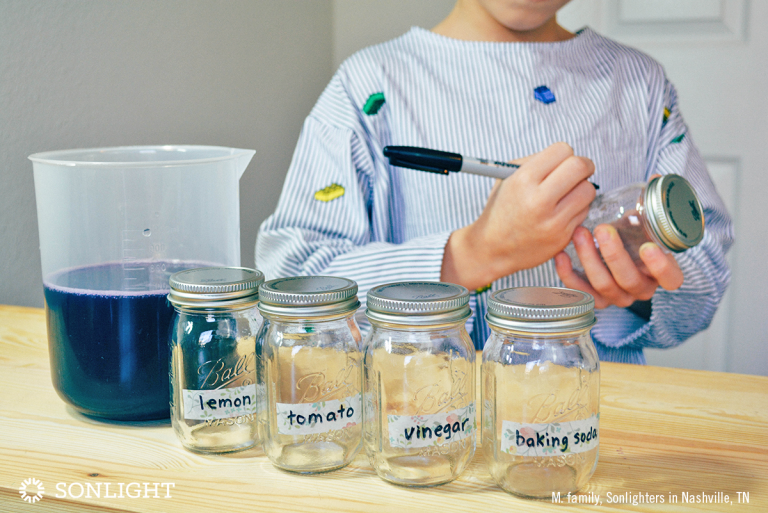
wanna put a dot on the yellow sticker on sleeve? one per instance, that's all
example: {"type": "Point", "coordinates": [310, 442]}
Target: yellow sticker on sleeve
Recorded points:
{"type": "Point", "coordinates": [330, 193]}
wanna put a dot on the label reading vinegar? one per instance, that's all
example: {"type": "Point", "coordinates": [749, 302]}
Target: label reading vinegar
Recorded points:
{"type": "Point", "coordinates": [553, 439]}
{"type": "Point", "coordinates": [429, 430]}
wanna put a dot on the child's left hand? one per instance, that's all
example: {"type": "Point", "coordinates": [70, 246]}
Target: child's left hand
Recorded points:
{"type": "Point", "coordinates": [619, 281]}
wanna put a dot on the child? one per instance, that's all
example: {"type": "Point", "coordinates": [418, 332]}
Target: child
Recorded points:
{"type": "Point", "coordinates": [500, 79]}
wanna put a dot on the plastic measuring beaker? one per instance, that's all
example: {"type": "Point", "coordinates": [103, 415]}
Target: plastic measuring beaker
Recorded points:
{"type": "Point", "coordinates": [114, 224]}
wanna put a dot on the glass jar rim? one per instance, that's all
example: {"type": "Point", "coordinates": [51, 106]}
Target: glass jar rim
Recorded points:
{"type": "Point", "coordinates": [553, 332]}
{"type": "Point", "coordinates": [214, 307]}
{"type": "Point", "coordinates": [400, 324]}
{"type": "Point", "coordinates": [318, 313]}
{"type": "Point", "coordinates": [451, 317]}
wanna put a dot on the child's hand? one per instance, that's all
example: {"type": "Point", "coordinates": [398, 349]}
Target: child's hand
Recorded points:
{"type": "Point", "coordinates": [621, 282]}
{"type": "Point", "coordinates": [528, 219]}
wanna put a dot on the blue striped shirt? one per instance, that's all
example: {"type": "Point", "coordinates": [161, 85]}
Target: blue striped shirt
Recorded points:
{"type": "Point", "coordinates": [380, 224]}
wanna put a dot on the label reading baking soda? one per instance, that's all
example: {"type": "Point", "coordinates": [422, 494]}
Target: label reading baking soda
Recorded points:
{"type": "Point", "coordinates": [551, 439]}
{"type": "Point", "coordinates": [428, 430]}
{"type": "Point", "coordinates": [222, 403]}
{"type": "Point", "coordinates": [319, 417]}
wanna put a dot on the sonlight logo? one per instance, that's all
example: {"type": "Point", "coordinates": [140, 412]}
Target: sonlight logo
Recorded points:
{"type": "Point", "coordinates": [31, 490]}
{"type": "Point", "coordinates": [114, 490]}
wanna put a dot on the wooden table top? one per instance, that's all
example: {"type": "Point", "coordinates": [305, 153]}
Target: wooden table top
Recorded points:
{"type": "Point", "coordinates": [664, 432]}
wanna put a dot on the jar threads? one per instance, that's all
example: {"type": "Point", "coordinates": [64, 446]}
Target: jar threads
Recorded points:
{"type": "Point", "coordinates": [665, 211]}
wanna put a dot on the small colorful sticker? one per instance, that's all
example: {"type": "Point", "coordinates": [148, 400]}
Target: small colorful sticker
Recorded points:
{"type": "Point", "coordinates": [374, 103]}
{"type": "Point", "coordinates": [483, 289]}
{"type": "Point", "coordinates": [678, 139]}
{"type": "Point", "coordinates": [330, 193]}
{"type": "Point", "coordinates": [665, 118]}
{"type": "Point", "coordinates": [544, 94]}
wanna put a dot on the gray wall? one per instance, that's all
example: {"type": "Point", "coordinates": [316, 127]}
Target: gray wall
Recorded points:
{"type": "Point", "coordinates": [230, 73]}
{"type": "Point", "coordinates": [92, 73]}
{"type": "Point", "coordinates": [361, 23]}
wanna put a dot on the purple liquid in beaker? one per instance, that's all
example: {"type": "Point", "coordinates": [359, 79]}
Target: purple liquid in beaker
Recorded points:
{"type": "Point", "coordinates": [109, 347]}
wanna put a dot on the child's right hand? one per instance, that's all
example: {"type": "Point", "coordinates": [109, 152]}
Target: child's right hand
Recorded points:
{"type": "Point", "coordinates": [528, 219]}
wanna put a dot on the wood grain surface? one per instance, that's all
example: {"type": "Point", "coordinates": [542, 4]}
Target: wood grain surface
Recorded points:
{"type": "Point", "coordinates": [664, 432]}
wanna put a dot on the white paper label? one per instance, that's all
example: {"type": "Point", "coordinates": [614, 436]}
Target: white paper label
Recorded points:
{"type": "Point", "coordinates": [551, 439]}
{"type": "Point", "coordinates": [319, 417]}
{"type": "Point", "coordinates": [222, 403]}
{"type": "Point", "coordinates": [430, 430]}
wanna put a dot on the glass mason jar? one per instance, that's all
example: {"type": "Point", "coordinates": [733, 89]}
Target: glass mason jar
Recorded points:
{"type": "Point", "coordinates": [313, 372]}
{"type": "Point", "coordinates": [540, 391]}
{"type": "Point", "coordinates": [217, 390]}
{"type": "Point", "coordinates": [665, 211]}
{"type": "Point", "coordinates": [419, 383]}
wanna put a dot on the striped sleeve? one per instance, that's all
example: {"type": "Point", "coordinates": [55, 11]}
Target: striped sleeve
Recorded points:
{"type": "Point", "coordinates": [323, 222]}
{"type": "Point", "coordinates": [679, 314]}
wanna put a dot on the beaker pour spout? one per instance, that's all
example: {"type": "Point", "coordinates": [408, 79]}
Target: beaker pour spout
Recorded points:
{"type": "Point", "coordinates": [243, 159]}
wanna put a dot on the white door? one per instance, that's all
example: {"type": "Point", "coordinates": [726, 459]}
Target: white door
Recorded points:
{"type": "Point", "coordinates": [716, 54]}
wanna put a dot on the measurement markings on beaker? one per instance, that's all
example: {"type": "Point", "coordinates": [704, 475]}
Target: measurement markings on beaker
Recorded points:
{"type": "Point", "coordinates": [132, 255]}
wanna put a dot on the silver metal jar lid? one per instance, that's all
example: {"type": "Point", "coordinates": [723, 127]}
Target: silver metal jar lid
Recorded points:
{"type": "Point", "coordinates": [418, 303]}
{"type": "Point", "coordinates": [676, 217]}
{"type": "Point", "coordinates": [308, 296]}
{"type": "Point", "coordinates": [541, 309]}
{"type": "Point", "coordinates": [215, 287]}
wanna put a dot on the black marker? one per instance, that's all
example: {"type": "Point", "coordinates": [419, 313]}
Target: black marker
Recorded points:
{"type": "Point", "coordinates": [443, 162]}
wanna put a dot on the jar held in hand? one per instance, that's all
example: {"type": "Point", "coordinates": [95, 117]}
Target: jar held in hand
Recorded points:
{"type": "Point", "coordinates": [666, 211]}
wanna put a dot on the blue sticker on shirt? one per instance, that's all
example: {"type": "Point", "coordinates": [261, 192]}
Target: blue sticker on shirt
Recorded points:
{"type": "Point", "coordinates": [544, 94]}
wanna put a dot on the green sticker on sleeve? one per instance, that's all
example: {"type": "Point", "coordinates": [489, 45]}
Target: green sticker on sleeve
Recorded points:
{"type": "Point", "coordinates": [374, 103]}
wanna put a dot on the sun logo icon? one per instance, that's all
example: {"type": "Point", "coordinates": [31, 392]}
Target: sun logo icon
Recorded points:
{"type": "Point", "coordinates": [31, 496]}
